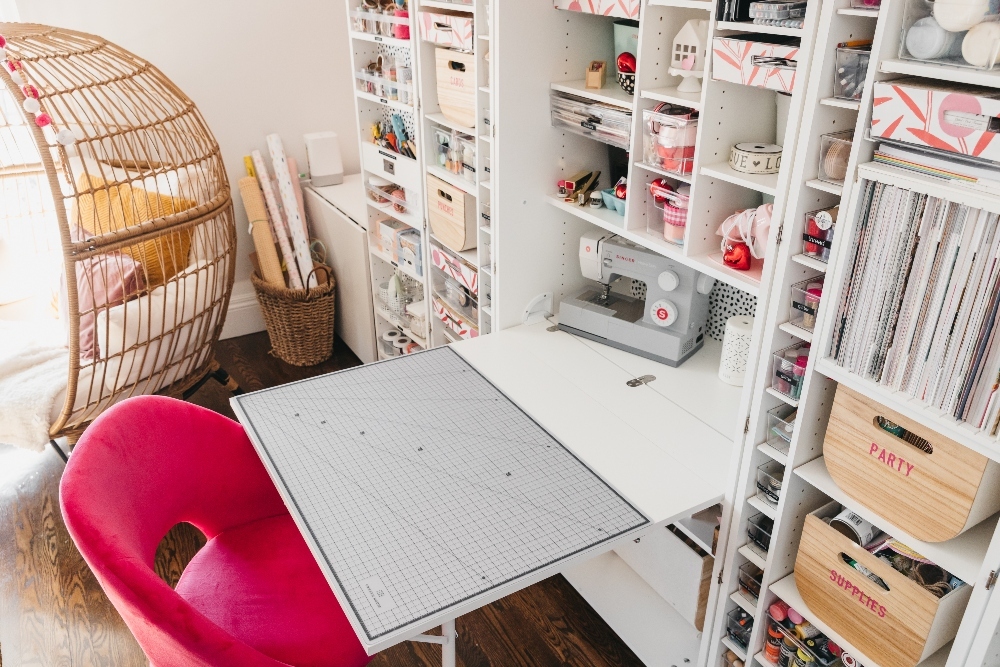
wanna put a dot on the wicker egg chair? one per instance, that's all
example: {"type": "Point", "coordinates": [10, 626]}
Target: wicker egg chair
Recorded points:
{"type": "Point", "coordinates": [135, 184]}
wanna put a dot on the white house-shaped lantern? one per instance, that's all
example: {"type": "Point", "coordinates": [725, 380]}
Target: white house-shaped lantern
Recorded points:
{"type": "Point", "coordinates": [687, 56]}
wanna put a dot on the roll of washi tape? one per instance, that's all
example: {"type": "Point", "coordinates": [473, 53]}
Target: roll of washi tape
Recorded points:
{"type": "Point", "coordinates": [749, 158]}
{"type": "Point", "coordinates": [854, 528]}
{"type": "Point", "coordinates": [389, 342]}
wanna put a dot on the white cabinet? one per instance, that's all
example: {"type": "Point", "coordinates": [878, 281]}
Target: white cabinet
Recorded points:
{"type": "Point", "coordinates": [338, 216]}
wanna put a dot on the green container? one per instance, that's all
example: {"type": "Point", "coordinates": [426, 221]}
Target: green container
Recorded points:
{"type": "Point", "coordinates": [626, 38]}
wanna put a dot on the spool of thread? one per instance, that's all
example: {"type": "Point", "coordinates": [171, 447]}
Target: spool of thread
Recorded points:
{"type": "Point", "coordinates": [736, 349]}
{"type": "Point", "coordinates": [794, 616]}
{"type": "Point", "coordinates": [779, 610]}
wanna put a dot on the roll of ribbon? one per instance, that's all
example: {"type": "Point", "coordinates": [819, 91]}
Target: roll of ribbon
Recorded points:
{"type": "Point", "coordinates": [735, 349]}
{"type": "Point", "coordinates": [927, 40]}
{"type": "Point", "coordinates": [751, 158]}
{"type": "Point", "coordinates": [981, 45]}
{"type": "Point", "coordinates": [854, 528]}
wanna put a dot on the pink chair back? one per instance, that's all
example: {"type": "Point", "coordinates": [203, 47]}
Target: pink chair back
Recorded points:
{"type": "Point", "coordinates": [142, 467]}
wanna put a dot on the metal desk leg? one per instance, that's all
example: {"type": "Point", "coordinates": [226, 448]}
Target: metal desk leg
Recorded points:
{"type": "Point", "coordinates": [447, 639]}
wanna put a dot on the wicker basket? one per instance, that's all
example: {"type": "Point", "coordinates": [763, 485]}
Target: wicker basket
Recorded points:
{"type": "Point", "coordinates": [299, 322]}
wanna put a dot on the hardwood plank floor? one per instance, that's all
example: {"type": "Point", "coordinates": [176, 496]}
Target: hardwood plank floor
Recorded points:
{"type": "Point", "coordinates": [54, 614]}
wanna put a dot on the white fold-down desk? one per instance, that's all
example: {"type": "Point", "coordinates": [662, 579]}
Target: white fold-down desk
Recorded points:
{"type": "Point", "coordinates": [653, 460]}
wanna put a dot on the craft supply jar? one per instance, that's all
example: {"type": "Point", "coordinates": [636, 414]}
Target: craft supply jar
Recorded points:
{"type": "Point", "coordinates": [750, 578]}
{"type": "Point", "coordinates": [852, 70]}
{"type": "Point", "coordinates": [834, 153]}
{"type": "Point", "coordinates": [817, 239]}
{"type": "Point", "coordinates": [789, 370]}
{"type": "Point", "coordinates": [780, 426]}
{"type": "Point", "coordinates": [739, 626]}
{"type": "Point", "coordinates": [759, 529]}
{"type": "Point", "coordinates": [770, 476]}
{"type": "Point", "coordinates": [805, 298]}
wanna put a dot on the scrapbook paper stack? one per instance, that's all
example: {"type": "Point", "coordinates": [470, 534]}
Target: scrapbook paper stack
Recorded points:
{"type": "Point", "coordinates": [918, 313]}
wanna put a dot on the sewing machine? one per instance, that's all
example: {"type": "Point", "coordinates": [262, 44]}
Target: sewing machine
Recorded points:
{"type": "Point", "coordinates": [665, 322]}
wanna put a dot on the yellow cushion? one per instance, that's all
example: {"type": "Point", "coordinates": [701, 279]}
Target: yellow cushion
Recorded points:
{"type": "Point", "coordinates": [116, 207]}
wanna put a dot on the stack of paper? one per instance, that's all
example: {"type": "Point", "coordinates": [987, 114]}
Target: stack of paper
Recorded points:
{"type": "Point", "coordinates": [919, 311]}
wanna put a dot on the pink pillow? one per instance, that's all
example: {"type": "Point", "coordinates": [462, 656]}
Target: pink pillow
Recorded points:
{"type": "Point", "coordinates": [102, 282]}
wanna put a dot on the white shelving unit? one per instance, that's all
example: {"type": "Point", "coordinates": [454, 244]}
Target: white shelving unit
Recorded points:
{"type": "Point", "coordinates": [540, 51]}
{"type": "Point", "coordinates": [421, 116]}
{"type": "Point", "coordinates": [807, 484]}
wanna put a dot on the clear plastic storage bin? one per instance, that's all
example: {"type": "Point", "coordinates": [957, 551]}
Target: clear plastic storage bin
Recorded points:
{"type": "Point", "coordinates": [669, 138]}
{"type": "Point", "coordinates": [961, 34]}
{"type": "Point", "coordinates": [817, 239]}
{"type": "Point", "coordinates": [789, 370]}
{"type": "Point", "coordinates": [739, 626]}
{"type": "Point", "coordinates": [865, 4]}
{"type": "Point", "coordinates": [770, 477]}
{"type": "Point", "coordinates": [852, 69]}
{"type": "Point", "coordinates": [596, 120]}
{"type": "Point", "coordinates": [780, 426]}
{"type": "Point", "coordinates": [759, 529]}
{"type": "Point", "coordinates": [805, 298]}
{"type": "Point", "coordinates": [667, 212]}
{"type": "Point", "coordinates": [834, 153]}
{"type": "Point", "coordinates": [751, 578]}
{"type": "Point", "coordinates": [777, 10]}
{"type": "Point", "coordinates": [391, 22]}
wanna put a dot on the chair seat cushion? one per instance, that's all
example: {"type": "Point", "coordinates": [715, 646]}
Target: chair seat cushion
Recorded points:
{"type": "Point", "coordinates": [260, 583]}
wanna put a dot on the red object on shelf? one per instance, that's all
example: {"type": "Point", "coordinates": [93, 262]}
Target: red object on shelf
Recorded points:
{"type": "Point", "coordinates": [626, 63]}
{"type": "Point", "coordinates": [737, 256]}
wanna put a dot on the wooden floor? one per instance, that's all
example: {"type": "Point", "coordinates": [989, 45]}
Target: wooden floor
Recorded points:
{"type": "Point", "coordinates": [53, 612]}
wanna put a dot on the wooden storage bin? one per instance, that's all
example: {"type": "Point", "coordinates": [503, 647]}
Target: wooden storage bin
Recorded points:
{"type": "Point", "coordinates": [456, 85]}
{"type": "Point", "coordinates": [676, 568]}
{"type": "Point", "coordinates": [898, 627]}
{"type": "Point", "coordinates": [452, 214]}
{"type": "Point", "coordinates": [932, 496]}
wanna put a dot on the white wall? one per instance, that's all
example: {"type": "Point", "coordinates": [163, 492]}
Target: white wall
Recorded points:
{"type": "Point", "coordinates": [252, 66]}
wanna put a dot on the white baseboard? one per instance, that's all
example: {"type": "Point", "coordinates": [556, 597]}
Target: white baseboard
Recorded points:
{"type": "Point", "coordinates": [244, 315]}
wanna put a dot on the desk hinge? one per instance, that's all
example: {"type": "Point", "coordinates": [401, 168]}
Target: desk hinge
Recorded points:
{"type": "Point", "coordinates": [639, 381]}
{"type": "Point", "coordinates": [721, 570]}
{"type": "Point", "coordinates": [781, 231]}
{"type": "Point", "coordinates": [991, 580]}
{"type": "Point", "coordinates": [746, 425]}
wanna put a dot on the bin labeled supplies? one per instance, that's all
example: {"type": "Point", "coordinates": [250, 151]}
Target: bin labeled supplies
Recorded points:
{"type": "Point", "coordinates": [930, 486]}
{"type": "Point", "coordinates": [891, 618]}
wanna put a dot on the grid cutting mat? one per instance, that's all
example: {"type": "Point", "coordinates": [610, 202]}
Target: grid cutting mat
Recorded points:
{"type": "Point", "coordinates": [422, 485]}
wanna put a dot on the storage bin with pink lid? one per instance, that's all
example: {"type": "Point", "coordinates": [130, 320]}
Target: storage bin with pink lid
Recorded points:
{"type": "Point", "coordinates": [668, 140]}
{"type": "Point", "coordinates": [667, 210]}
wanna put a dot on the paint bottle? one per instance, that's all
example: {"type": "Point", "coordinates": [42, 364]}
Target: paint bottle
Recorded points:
{"type": "Point", "coordinates": [772, 649]}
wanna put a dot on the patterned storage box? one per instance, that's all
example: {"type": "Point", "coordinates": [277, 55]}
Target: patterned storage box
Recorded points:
{"type": "Point", "coordinates": [453, 320]}
{"type": "Point", "coordinates": [950, 117]}
{"type": "Point", "coordinates": [448, 30]}
{"type": "Point", "coordinates": [456, 269]}
{"type": "Point", "coordinates": [755, 63]}
{"type": "Point", "coordinates": [626, 9]}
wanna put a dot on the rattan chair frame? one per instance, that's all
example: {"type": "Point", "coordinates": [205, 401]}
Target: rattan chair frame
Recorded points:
{"type": "Point", "coordinates": [146, 161]}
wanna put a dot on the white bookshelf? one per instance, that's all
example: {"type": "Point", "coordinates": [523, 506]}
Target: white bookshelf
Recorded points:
{"type": "Point", "coordinates": [975, 553]}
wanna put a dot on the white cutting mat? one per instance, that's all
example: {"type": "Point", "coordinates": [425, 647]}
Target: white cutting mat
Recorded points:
{"type": "Point", "coordinates": [422, 485]}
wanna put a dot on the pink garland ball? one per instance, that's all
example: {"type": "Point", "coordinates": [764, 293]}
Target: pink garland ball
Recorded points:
{"type": "Point", "coordinates": [3, 42]}
{"type": "Point", "coordinates": [43, 120]}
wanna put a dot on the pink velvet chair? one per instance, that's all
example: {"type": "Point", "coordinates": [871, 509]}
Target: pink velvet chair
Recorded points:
{"type": "Point", "coordinates": [253, 596]}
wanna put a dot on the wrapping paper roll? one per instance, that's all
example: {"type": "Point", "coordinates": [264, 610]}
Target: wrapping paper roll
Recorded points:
{"type": "Point", "coordinates": [736, 349]}
{"type": "Point", "coordinates": [296, 222]}
{"type": "Point", "coordinates": [278, 221]}
{"type": "Point", "coordinates": [260, 229]}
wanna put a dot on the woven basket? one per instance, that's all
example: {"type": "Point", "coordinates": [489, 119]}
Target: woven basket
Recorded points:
{"type": "Point", "coordinates": [299, 322]}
